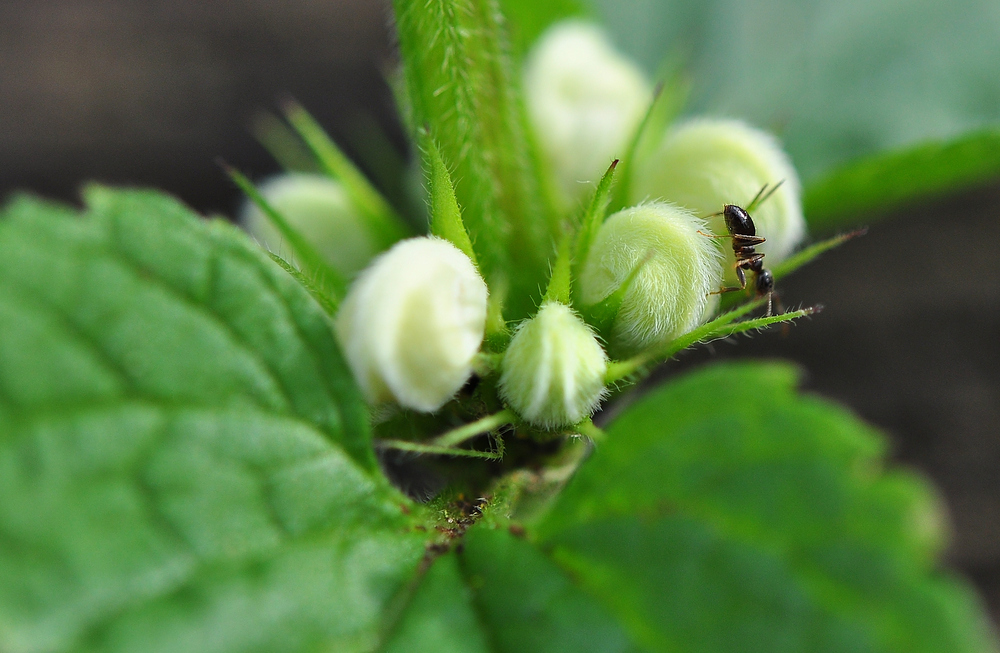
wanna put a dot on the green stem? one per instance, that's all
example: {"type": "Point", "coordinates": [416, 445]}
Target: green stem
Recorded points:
{"type": "Point", "coordinates": [447, 444]}
{"type": "Point", "coordinates": [458, 436]}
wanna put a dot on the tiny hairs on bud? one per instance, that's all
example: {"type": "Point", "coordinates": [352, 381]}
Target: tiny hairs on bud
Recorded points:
{"type": "Point", "coordinates": [670, 268]}
{"type": "Point", "coordinates": [553, 371]}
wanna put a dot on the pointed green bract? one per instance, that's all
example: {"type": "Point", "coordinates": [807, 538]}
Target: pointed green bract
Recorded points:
{"type": "Point", "coordinates": [282, 143]}
{"type": "Point", "coordinates": [593, 218]}
{"type": "Point", "coordinates": [323, 276]}
{"type": "Point", "coordinates": [668, 100]}
{"type": "Point", "coordinates": [446, 216]}
{"type": "Point", "coordinates": [185, 462]}
{"type": "Point", "coordinates": [725, 511]}
{"type": "Point", "coordinates": [460, 83]}
{"type": "Point", "coordinates": [560, 281]}
{"type": "Point", "coordinates": [385, 224]}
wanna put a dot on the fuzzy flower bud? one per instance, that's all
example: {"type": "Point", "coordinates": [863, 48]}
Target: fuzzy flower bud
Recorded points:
{"type": "Point", "coordinates": [412, 323]}
{"type": "Point", "coordinates": [553, 371]}
{"type": "Point", "coordinates": [319, 208]}
{"type": "Point", "coordinates": [704, 164]}
{"type": "Point", "coordinates": [673, 269]}
{"type": "Point", "coordinates": [585, 100]}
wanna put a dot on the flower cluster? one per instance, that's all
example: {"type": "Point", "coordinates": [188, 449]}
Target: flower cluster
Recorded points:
{"type": "Point", "coordinates": [416, 316]}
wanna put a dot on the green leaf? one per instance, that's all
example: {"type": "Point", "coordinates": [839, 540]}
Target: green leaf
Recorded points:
{"type": "Point", "coordinates": [184, 459]}
{"type": "Point", "coordinates": [528, 604]}
{"type": "Point", "coordinates": [879, 183]}
{"type": "Point", "coordinates": [440, 618]}
{"type": "Point", "coordinates": [727, 512]}
{"type": "Point", "coordinates": [462, 86]}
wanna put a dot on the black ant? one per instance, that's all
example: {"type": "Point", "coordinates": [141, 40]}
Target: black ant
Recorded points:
{"type": "Point", "coordinates": [745, 239]}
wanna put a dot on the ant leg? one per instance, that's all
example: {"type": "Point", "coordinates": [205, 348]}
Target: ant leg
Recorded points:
{"type": "Point", "coordinates": [746, 240]}
{"type": "Point", "coordinates": [725, 289]}
{"type": "Point", "coordinates": [714, 235]}
{"type": "Point", "coordinates": [741, 276]}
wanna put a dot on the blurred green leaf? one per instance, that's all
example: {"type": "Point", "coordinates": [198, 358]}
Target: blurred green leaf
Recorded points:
{"type": "Point", "coordinates": [528, 604]}
{"type": "Point", "coordinates": [726, 512]}
{"type": "Point", "coordinates": [440, 617]}
{"type": "Point", "coordinates": [184, 459]}
{"type": "Point", "coordinates": [849, 195]}
{"type": "Point", "coordinates": [461, 85]}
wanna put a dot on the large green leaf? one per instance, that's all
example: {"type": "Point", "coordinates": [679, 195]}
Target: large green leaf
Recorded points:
{"type": "Point", "coordinates": [726, 512]}
{"type": "Point", "coordinates": [852, 193]}
{"type": "Point", "coordinates": [184, 460]}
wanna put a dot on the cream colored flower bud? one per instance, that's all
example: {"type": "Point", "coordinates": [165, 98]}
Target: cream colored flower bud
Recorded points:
{"type": "Point", "coordinates": [704, 164]}
{"type": "Point", "coordinates": [585, 100]}
{"type": "Point", "coordinates": [669, 293]}
{"type": "Point", "coordinates": [319, 208]}
{"type": "Point", "coordinates": [553, 371]}
{"type": "Point", "coordinates": [412, 323]}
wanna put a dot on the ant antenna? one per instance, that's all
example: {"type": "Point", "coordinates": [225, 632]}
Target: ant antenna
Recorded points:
{"type": "Point", "coordinates": [761, 197]}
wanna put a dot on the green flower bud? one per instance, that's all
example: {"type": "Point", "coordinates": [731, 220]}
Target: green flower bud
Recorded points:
{"type": "Point", "coordinates": [412, 322]}
{"type": "Point", "coordinates": [585, 100]}
{"type": "Point", "coordinates": [553, 371]}
{"type": "Point", "coordinates": [319, 208]}
{"type": "Point", "coordinates": [673, 269]}
{"type": "Point", "coordinates": [704, 164]}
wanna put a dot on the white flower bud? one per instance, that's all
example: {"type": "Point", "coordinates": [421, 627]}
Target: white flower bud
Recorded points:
{"type": "Point", "coordinates": [412, 323]}
{"type": "Point", "coordinates": [584, 100]}
{"type": "Point", "coordinates": [319, 208]}
{"type": "Point", "coordinates": [669, 293]}
{"type": "Point", "coordinates": [553, 371]}
{"type": "Point", "coordinates": [704, 164]}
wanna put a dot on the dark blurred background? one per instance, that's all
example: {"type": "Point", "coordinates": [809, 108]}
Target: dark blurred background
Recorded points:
{"type": "Point", "coordinates": [152, 92]}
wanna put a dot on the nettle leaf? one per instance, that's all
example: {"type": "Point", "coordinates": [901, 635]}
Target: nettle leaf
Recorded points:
{"type": "Point", "coordinates": [726, 512]}
{"type": "Point", "coordinates": [184, 460]}
{"type": "Point", "coordinates": [888, 180]}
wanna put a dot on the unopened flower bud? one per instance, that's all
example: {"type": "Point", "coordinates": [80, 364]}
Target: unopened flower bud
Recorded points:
{"type": "Point", "coordinates": [553, 370]}
{"type": "Point", "coordinates": [704, 164]}
{"type": "Point", "coordinates": [319, 208]}
{"type": "Point", "coordinates": [672, 267]}
{"type": "Point", "coordinates": [585, 100]}
{"type": "Point", "coordinates": [412, 323]}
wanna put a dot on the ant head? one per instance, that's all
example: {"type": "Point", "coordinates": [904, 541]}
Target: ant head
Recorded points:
{"type": "Point", "coordinates": [738, 221]}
